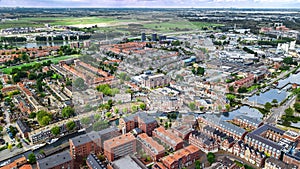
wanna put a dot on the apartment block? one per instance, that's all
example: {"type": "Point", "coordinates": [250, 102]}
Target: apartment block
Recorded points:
{"type": "Point", "coordinates": [81, 146]}
{"type": "Point", "coordinates": [179, 159]}
{"type": "Point", "coordinates": [168, 138]}
{"type": "Point", "coordinates": [154, 81]}
{"type": "Point", "coordinates": [56, 161]}
{"type": "Point", "coordinates": [139, 120]}
{"type": "Point", "coordinates": [150, 146]}
{"type": "Point", "coordinates": [204, 142]}
{"type": "Point", "coordinates": [119, 146]}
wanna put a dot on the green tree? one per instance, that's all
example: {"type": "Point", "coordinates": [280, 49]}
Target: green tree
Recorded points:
{"type": "Point", "coordinates": [143, 106]}
{"type": "Point", "coordinates": [134, 108]}
{"type": "Point", "coordinates": [268, 106]}
{"type": "Point", "coordinates": [32, 115]}
{"type": "Point", "coordinates": [85, 120]}
{"type": "Point", "coordinates": [70, 125]}
{"type": "Point", "coordinates": [99, 125]}
{"type": "Point", "coordinates": [55, 130]}
{"type": "Point", "coordinates": [231, 88]}
{"type": "Point", "coordinates": [9, 147]}
{"type": "Point", "coordinates": [45, 121]}
{"type": "Point", "coordinates": [31, 158]}
{"type": "Point", "coordinates": [197, 164]}
{"type": "Point", "coordinates": [211, 157]}
{"type": "Point", "coordinates": [242, 90]}
{"type": "Point", "coordinates": [289, 111]}
{"type": "Point", "coordinates": [192, 106]}
{"type": "Point", "coordinates": [297, 107]}
{"type": "Point", "coordinates": [67, 112]}
{"type": "Point", "coordinates": [227, 107]}
{"type": "Point", "coordinates": [274, 101]}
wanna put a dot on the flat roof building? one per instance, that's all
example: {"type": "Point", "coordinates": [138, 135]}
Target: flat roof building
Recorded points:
{"type": "Point", "coordinates": [56, 161]}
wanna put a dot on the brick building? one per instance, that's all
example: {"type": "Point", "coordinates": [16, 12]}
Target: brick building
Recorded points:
{"type": "Point", "coordinates": [179, 159]}
{"type": "Point", "coordinates": [56, 161]}
{"type": "Point", "coordinates": [150, 146]}
{"type": "Point", "coordinates": [139, 120]}
{"type": "Point", "coordinates": [168, 138]}
{"type": "Point", "coordinates": [119, 146]}
{"type": "Point", "coordinates": [81, 146]}
{"type": "Point", "coordinates": [204, 142]}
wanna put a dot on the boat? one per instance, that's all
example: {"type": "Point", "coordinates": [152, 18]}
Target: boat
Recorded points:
{"type": "Point", "coordinates": [52, 141]}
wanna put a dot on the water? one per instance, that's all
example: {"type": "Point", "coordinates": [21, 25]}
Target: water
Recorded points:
{"type": "Point", "coordinates": [293, 78]}
{"type": "Point", "coordinates": [244, 110]}
{"type": "Point", "coordinates": [268, 96]}
{"type": "Point", "coordinates": [38, 44]}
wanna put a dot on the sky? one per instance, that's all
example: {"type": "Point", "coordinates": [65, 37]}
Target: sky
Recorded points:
{"type": "Point", "coordinates": [154, 3]}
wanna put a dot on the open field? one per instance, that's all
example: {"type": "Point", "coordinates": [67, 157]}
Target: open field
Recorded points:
{"type": "Point", "coordinates": [53, 59]}
{"type": "Point", "coordinates": [178, 25]}
{"type": "Point", "coordinates": [63, 21]}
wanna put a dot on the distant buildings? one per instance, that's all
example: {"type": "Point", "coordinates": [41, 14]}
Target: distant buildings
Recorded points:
{"type": "Point", "coordinates": [119, 146]}
{"type": "Point", "coordinates": [56, 161]}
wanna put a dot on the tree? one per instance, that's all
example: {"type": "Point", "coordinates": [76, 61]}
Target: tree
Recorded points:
{"type": "Point", "coordinates": [85, 120]}
{"type": "Point", "coordinates": [192, 106]}
{"type": "Point", "coordinates": [55, 130]}
{"type": "Point", "coordinates": [134, 108]}
{"type": "Point", "coordinates": [231, 88]}
{"type": "Point", "coordinates": [297, 107]}
{"type": "Point", "coordinates": [31, 158]}
{"type": "Point", "coordinates": [45, 121]}
{"type": "Point", "coordinates": [289, 111]}
{"type": "Point", "coordinates": [70, 125]}
{"type": "Point", "coordinates": [9, 147]}
{"type": "Point", "coordinates": [242, 90]}
{"type": "Point", "coordinates": [67, 112]}
{"type": "Point", "coordinates": [274, 101]}
{"type": "Point", "coordinates": [227, 107]}
{"type": "Point", "coordinates": [32, 115]}
{"type": "Point", "coordinates": [197, 164]}
{"type": "Point", "coordinates": [143, 106]}
{"type": "Point", "coordinates": [99, 125]}
{"type": "Point", "coordinates": [268, 106]}
{"type": "Point", "coordinates": [211, 157]}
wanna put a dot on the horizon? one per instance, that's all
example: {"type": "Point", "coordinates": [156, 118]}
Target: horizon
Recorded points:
{"type": "Point", "coordinates": [243, 4]}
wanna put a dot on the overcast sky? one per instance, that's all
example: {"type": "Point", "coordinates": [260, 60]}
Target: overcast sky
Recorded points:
{"type": "Point", "coordinates": [154, 3]}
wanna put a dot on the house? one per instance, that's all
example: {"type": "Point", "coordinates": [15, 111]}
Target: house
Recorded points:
{"type": "Point", "coordinates": [203, 141]}
{"type": "Point", "coordinates": [23, 128]}
{"type": "Point", "coordinates": [167, 137]}
{"type": "Point", "coordinates": [56, 161]}
{"type": "Point", "coordinates": [150, 146]}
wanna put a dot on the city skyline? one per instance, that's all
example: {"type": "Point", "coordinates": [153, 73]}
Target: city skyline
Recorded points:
{"type": "Point", "coordinates": [154, 3]}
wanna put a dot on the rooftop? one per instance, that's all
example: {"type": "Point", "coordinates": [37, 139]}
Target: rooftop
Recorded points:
{"type": "Point", "coordinates": [94, 162]}
{"type": "Point", "coordinates": [54, 160]}
{"type": "Point", "coordinates": [128, 162]}
{"type": "Point", "coordinates": [150, 143]}
{"type": "Point", "coordinates": [119, 140]}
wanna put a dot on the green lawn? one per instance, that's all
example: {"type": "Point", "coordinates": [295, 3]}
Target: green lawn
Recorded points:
{"type": "Point", "coordinates": [54, 60]}
{"type": "Point", "coordinates": [178, 25]}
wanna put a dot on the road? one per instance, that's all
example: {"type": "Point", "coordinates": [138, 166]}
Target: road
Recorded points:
{"type": "Point", "coordinates": [277, 112]}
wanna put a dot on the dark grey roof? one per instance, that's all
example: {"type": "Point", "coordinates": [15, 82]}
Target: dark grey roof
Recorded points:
{"type": "Point", "coordinates": [94, 162]}
{"type": "Point", "coordinates": [266, 127]}
{"type": "Point", "coordinates": [280, 164]}
{"type": "Point", "coordinates": [54, 160]}
{"type": "Point", "coordinates": [265, 142]}
{"type": "Point", "coordinates": [142, 115]}
{"type": "Point", "coordinates": [232, 128]}
{"type": "Point", "coordinates": [82, 139]}
{"type": "Point", "coordinates": [249, 120]}
{"type": "Point", "coordinates": [23, 126]}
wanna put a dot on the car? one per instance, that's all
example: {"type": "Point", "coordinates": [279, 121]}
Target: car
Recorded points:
{"type": "Point", "coordinates": [2, 141]}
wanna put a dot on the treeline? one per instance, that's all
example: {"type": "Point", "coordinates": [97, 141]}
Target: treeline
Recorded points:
{"type": "Point", "coordinates": [13, 39]}
{"type": "Point", "coordinates": [60, 38]}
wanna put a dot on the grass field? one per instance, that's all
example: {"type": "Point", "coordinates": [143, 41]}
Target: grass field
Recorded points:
{"type": "Point", "coordinates": [178, 25]}
{"type": "Point", "coordinates": [63, 21]}
{"type": "Point", "coordinates": [54, 60]}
